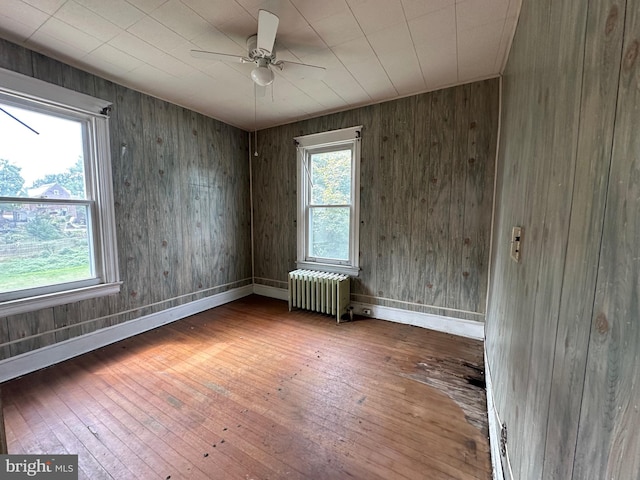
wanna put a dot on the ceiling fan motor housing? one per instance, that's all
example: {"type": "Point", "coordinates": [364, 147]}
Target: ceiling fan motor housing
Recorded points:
{"type": "Point", "coordinates": [255, 53]}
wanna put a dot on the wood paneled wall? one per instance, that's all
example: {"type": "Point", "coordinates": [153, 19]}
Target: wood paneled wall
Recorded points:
{"type": "Point", "coordinates": [181, 187]}
{"type": "Point", "coordinates": [562, 328]}
{"type": "Point", "coordinates": [427, 176]}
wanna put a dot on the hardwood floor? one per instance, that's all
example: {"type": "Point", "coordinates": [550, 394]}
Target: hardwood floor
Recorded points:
{"type": "Point", "coordinates": [251, 391]}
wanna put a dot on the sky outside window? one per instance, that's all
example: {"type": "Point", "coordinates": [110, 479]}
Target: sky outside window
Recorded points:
{"type": "Point", "coordinates": [54, 150]}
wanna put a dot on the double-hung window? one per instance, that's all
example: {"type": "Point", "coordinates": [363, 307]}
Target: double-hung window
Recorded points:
{"type": "Point", "coordinates": [328, 200]}
{"type": "Point", "coordinates": [57, 228]}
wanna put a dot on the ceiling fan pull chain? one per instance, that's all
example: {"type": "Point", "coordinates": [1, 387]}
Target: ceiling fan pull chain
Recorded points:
{"type": "Point", "coordinates": [255, 121]}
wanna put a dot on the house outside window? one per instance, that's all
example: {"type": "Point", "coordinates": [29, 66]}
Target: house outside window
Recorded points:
{"type": "Point", "coordinates": [328, 166]}
{"type": "Point", "coordinates": [57, 227]}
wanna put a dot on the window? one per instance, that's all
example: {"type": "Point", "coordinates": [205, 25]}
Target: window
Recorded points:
{"type": "Point", "coordinates": [329, 200]}
{"type": "Point", "coordinates": [57, 228]}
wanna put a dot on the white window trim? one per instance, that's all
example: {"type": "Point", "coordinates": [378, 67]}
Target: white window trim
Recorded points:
{"type": "Point", "coordinates": [24, 87]}
{"type": "Point", "coordinates": [304, 143]}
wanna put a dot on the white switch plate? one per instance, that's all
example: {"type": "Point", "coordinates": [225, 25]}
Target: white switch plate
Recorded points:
{"type": "Point", "coordinates": [516, 243]}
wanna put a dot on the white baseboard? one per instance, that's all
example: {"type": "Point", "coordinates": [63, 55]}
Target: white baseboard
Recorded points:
{"type": "Point", "coordinates": [501, 470]}
{"type": "Point", "coordinates": [273, 292]}
{"type": "Point", "coordinates": [455, 326]}
{"type": "Point", "coordinates": [19, 365]}
{"type": "Point", "coordinates": [439, 323]}
{"type": "Point", "coordinates": [494, 424]}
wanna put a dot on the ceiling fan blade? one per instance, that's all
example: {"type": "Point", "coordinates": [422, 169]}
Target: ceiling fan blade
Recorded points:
{"type": "Point", "coordinates": [267, 28]}
{"type": "Point", "coordinates": [302, 70]}
{"type": "Point", "coordinates": [222, 57]}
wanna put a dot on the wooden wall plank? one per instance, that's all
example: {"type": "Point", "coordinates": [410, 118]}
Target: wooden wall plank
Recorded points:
{"type": "Point", "coordinates": [383, 204]}
{"type": "Point", "coordinates": [478, 193]}
{"type": "Point", "coordinates": [163, 195]}
{"type": "Point", "coordinates": [47, 69]}
{"type": "Point", "coordinates": [231, 181]}
{"type": "Point", "coordinates": [172, 193]}
{"type": "Point", "coordinates": [420, 271]}
{"type": "Point", "coordinates": [459, 167]}
{"type": "Point", "coordinates": [192, 231]}
{"type": "Point", "coordinates": [401, 194]}
{"type": "Point", "coordinates": [153, 225]}
{"type": "Point", "coordinates": [3, 435]}
{"type": "Point", "coordinates": [5, 350]}
{"type": "Point", "coordinates": [78, 80]}
{"type": "Point", "coordinates": [605, 22]}
{"type": "Point", "coordinates": [130, 171]}
{"type": "Point", "coordinates": [608, 443]}
{"type": "Point", "coordinates": [75, 319]}
{"type": "Point", "coordinates": [216, 207]}
{"type": "Point", "coordinates": [30, 326]}
{"type": "Point", "coordinates": [206, 197]}
{"type": "Point", "coordinates": [13, 57]}
{"type": "Point", "coordinates": [472, 191]}
{"type": "Point", "coordinates": [438, 185]}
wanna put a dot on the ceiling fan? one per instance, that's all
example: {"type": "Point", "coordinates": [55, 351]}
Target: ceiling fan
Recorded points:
{"type": "Point", "coordinates": [261, 52]}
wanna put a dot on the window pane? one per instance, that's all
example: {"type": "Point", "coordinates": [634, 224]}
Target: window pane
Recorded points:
{"type": "Point", "coordinates": [331, 178]}
{"type": "Point", "coordinates": [43, 245]}
{"type": "Point", "coordinates": [46, 164]}
{"type": "Point", "coordinates": [329, 232]}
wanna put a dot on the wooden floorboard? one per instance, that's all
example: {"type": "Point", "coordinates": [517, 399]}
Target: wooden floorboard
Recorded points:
{"type": "Point", "coordinates": [251, 391]}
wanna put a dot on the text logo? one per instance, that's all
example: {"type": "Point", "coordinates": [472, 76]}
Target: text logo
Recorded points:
{"type": "Point", "coordinates": [49, 467]}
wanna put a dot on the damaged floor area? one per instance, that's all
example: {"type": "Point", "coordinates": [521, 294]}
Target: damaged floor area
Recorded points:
{"type": "Point", "coordinates": [251, 391]}
{"type": "Point", "coordinates": [460, 380]}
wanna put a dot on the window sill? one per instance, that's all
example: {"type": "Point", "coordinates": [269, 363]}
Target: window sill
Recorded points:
{"type": "Point", "coordinates": [327, 267]}
{"type": "Point", "coordinates": [30, 304]}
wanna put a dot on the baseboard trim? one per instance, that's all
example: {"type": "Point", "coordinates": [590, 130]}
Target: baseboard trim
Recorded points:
{"type": "Point", "coordinates": [28, 362]}
{"type": "Point", "coordinates": [455, 326]}
{"type": "Point", "coordinates": [439, 323]}
{"type": "Point", "coordinates": [272, 292]}
{"type": "Point", "coordinates": [494, 424]}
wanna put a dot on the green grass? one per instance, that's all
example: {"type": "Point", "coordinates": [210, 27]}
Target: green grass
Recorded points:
{"type": "Point", "coordinates": [42, 277]}
{"type": "Point", "coordinates": [67, 265]}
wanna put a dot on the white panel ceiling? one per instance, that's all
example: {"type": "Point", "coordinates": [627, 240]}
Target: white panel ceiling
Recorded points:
{"type": "Point", "coordinates": [373, 50]}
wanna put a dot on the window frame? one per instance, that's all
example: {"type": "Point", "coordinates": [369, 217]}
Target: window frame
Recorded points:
{"type": "Point", "coordinates": [306, 145]}
{"type": "Point", "coordinates": [34, 94]}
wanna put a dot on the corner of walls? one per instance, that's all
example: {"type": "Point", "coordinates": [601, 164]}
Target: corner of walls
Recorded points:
{"type": "Point", "coordinates": [270, 291]}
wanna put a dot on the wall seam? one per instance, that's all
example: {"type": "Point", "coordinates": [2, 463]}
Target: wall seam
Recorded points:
{"type": "Point", "coordinates": [494, 200]}
{"type": "Point", "coordinates": [253, 258]}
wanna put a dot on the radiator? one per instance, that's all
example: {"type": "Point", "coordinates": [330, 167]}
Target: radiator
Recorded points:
{"type": "Point", "coordinates": [319, 292]}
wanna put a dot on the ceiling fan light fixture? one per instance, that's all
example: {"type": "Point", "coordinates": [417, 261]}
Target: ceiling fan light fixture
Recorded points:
{"type": "Point", "coordinates": [262, 75]}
